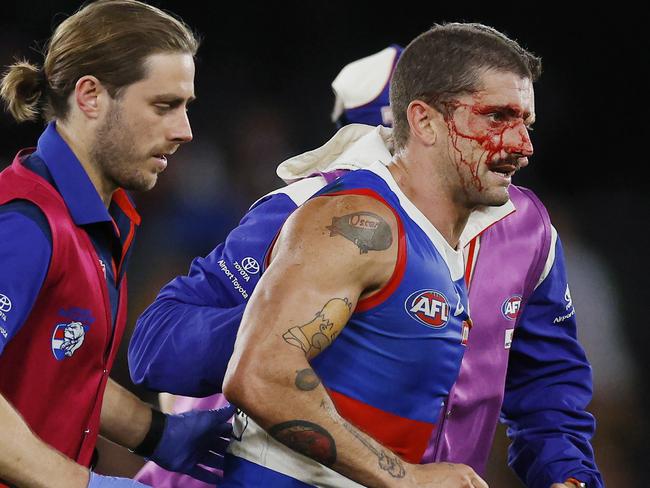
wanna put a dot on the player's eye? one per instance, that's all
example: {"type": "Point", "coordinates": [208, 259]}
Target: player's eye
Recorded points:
{"type": "Point", "coordinates": [497, 116]}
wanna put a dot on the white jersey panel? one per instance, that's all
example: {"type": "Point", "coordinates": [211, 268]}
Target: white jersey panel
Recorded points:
{"type": "Point", "coordinates": [252, 443]}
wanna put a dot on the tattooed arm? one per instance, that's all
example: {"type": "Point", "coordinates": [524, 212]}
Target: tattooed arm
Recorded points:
{"type": "Point", "coordinates": [332, 252]}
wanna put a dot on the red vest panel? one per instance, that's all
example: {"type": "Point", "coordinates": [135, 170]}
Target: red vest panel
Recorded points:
{"type": "Point", "coordinates": [54, 371]}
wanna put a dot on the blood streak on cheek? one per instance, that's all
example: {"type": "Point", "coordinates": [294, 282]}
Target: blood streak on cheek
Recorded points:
{"type": "Point", "coordinates": [490, 138]}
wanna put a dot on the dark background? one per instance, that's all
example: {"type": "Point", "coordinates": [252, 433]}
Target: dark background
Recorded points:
{"type": "Point", "coordinates": [263, 86]}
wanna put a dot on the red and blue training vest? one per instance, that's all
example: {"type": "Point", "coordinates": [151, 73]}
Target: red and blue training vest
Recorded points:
{"type": "Point", "coordinates": [60, 394]}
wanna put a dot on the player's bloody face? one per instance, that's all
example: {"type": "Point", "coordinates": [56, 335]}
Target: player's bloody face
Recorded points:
{"type": "Point", "coordinates": [488, 136]}
{"type": "Point", "coordinates": [146, 123]}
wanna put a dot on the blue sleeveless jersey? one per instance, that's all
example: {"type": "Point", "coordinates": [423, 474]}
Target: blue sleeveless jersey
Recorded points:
{"type": "Point", "coordinates": [393, 365]}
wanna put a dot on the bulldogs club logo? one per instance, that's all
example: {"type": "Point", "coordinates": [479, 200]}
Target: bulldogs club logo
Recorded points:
{"type": "Point", "coordinates": [67, 338]}
{"type": "Point", "coordinates": [510, 308]}
{"type": "Point", "coordinates": [429, 307]}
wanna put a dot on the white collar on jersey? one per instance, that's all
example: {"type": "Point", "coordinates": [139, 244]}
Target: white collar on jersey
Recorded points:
{"type": "Point", "coordinates": [358, 146]}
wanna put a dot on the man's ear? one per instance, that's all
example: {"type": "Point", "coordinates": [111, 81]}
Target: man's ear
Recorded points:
{"type": "Point", "coordinates": [421, 116]}
{"type": "Point", "coordinates": [90, 96]}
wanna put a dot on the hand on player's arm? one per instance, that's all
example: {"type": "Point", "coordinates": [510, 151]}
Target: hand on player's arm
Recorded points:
{"type": "Point", "coordinates": [321, 266]}
{"type": "Point", "coordinates": [176, 442]}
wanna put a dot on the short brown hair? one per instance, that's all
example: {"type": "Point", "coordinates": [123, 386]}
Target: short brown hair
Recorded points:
{"type": "Point", "coordinates": [109, 39]}
{"type": "Point", "coordinates": [448, 60]}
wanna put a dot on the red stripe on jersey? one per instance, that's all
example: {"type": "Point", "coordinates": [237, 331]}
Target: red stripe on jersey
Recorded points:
{"type": "Point", "coordinates": [405, 437]}
{"type": "Point", "coordinates": [122, 201]}
{"type": "Point", "coordinates": [470, 261]}
{"type": "Point", "coordinates": [125, 249]}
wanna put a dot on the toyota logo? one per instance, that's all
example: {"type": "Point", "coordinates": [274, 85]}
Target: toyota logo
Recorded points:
{"type": "Point", "coordinates": [250, 265]}
{"type": "Point", "coordinates": [5, 303]}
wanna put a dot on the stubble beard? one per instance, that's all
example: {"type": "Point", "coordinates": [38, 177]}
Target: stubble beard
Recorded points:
{"type": "Point", "coordinates": [490, 196]}
{"type": "Point", "coordinates": [475, 189]}
{"type": "Point", "coordinates": [115, 154]}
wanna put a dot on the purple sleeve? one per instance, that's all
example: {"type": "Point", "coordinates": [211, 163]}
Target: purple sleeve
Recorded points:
{"type": "Point", "coordinates": [548, 388]}
{"type": "Point", "coordinates": [25, 251]}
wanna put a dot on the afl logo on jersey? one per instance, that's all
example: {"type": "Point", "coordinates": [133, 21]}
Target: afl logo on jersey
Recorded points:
{"type": "Point", "coordinates": [429, 307]}
{"type": "Point", "coordinates": [510, 308]}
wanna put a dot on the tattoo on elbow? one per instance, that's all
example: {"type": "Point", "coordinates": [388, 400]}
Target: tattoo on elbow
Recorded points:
{"type": "Point", "coordinates": [367, 230]}
{"type": "Point", "coordinates": [316, 335]}
{"type": "Point", "coordinates": [308, 439]}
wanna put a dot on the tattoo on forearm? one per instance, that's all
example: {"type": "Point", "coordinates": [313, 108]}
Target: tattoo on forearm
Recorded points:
{"type": "Point", "coordinates": [387, 461]}
{"type": "Point", "coordinates": [367, 230]}
{"type": "Point", "coordinates": [308, 439]}
{"type": "Point", "coordinates": [316, 335]}
{"type": "Point", "coordinates": [307, 380]}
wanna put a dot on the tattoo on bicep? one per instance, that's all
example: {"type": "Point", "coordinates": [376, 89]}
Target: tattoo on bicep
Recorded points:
{"type": "Point", "coordinates": [367, 230]}
{"type": "Point", "coordinates": [316, 335]}
{"type": "Point", "coordinates": [307, 380]}
{"type": "Point", "coordinates": [387, 461]}
{"type": "Point", "coordinates": [308, 439]}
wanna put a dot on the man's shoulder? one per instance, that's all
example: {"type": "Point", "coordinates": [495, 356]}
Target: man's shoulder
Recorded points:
{"type": "Point", "coordinates": [355, 232]}
{"type": "Point", "coordinates": [23, 214]}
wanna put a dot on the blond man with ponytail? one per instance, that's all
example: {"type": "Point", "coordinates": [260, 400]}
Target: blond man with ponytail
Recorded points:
{"type": "Point", "coordinates": [22, 88]}
{"type": "Point", "coordinates": [114, 86]}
